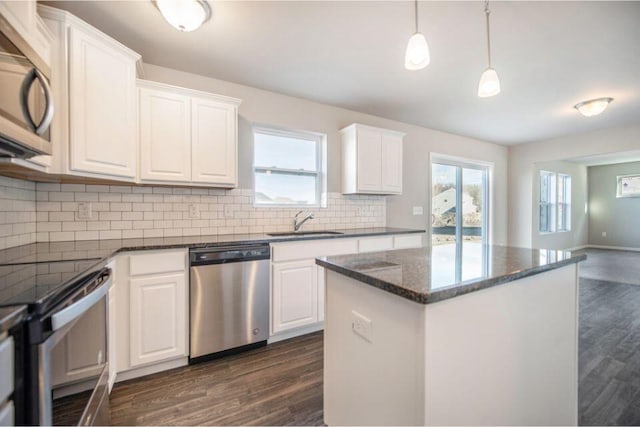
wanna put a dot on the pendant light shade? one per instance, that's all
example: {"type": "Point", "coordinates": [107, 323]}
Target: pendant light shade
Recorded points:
{"type": "Point", "coordinates": [593, 107]}
{"type": "Point", "coordinates": [185, 15]}
{"type": "Point", "coordinates": [417, 55]}
{"type": "Point", "coordinates": [489, 82]}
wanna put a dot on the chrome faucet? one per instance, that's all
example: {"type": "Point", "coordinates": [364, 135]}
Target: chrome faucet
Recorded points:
{"type": "Point", "coordinates": [297, 224]}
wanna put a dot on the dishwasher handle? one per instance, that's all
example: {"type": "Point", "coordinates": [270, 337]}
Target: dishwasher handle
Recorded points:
{"type": "Point", "coordinates": [228, 254]}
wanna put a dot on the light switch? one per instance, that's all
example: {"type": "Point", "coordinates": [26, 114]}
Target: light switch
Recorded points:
{"type": "Point", "coordinates": [604, 234]}
{"type": "Point", "coordinates": [417, 210]}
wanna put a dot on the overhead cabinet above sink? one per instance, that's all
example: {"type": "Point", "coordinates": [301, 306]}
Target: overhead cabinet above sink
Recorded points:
{"type": "Point", "coordinates": [371, 160]}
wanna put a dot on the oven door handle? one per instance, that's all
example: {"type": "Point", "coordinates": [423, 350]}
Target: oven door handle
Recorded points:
{"type": "Point", "coordinates": [78, 308]}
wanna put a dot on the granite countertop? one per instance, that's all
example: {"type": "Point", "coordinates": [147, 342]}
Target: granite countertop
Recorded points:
{"type": "Point", "coordinates": [11, 316]}
{"type": "Point", "coordinates": [100, 249]}
{"type": "Point", "coordinates": [431, 274]}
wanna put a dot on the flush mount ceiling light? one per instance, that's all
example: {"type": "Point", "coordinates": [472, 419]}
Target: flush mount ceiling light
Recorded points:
{"type": "Point", "coordinates": [593, 107]}
{"type": "Point", "coordinates": [185, 15]}
{"type": "Point", "coordinates": [489, 83]}
{"type": "Point", "coordinates": [417, 55]}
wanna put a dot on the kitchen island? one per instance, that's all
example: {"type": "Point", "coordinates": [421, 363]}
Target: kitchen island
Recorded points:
{"type": "Point", "coordinates": [486, 335]}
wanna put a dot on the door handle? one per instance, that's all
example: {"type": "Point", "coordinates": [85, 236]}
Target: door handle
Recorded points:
{"type": "Point", "coordinates": [25, 88]}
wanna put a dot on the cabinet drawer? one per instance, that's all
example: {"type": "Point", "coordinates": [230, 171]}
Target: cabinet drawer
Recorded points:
{"type": "Point", "coordinates": [407, 241]}
{"type": "Point", "coordinates": [312, 249]}
{"type": "Point", "coordinates": [373, 244]}
{"type": "Point", "coordinates": [6, 367]}
{"type": "Point", "coordinates": [157, 262]}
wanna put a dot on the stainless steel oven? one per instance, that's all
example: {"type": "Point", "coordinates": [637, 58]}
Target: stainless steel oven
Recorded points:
{"type": "Point", "coordinates": [26, 104]}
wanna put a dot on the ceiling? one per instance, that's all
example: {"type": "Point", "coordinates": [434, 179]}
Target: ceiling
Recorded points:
{"type": "Point", "coordinates": [549, 56]}
{"type": "Point", "coordinates": [608, 159]}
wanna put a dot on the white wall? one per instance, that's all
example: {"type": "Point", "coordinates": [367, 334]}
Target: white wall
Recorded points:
{"type": "Point", "coordinates": [522, 160]}
{"type": "Point", "coordinates": [259, 106]}
{"type": "Point", "coordinates": [579, 233]}
{"type": "Point", "coordinates": [618, 217]}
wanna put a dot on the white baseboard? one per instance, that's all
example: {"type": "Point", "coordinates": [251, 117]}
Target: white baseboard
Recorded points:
{"type": "Point", "coordinates": [151, 369]}
{"type": "Point", "coordinates": [577, 248]}
{"type": "Point", "coordinates": [295, 332]}
{"type": "Point", "coordinates": [615, 248]}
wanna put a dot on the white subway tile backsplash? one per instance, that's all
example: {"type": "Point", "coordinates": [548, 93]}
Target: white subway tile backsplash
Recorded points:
{"type": "Point", "coordinates": [134, 212]}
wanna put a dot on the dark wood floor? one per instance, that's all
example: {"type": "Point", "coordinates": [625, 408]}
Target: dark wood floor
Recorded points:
{"type": "Point", "coordinates": [282, 384]}
{"type": "Point", "coordinates": [609, 346]}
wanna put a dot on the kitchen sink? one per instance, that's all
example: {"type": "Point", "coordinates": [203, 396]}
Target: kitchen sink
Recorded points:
{"type": "Point", "coordinates": [302, 233]}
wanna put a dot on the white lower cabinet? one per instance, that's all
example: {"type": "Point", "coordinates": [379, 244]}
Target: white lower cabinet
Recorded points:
{"type": "Point", "coordinates": [152, 329]}
{"type": "Point", "coordinates": [158, 318]}
{"type": "Point", "coordinates": [111, 334]}
{"type": "Point", "coordinates": [294, 300]}
{"type": "Point", "coordinates": [297, 283]}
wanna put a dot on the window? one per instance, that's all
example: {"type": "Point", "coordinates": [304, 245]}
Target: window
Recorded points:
{"type": "Point", "coordinates": [555, 202]}
{"type": "Point", "coordinates": [288, 168]}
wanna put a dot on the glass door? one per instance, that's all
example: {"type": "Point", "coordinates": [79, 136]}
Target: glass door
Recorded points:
{"type": "Point", "coordinates": [459, 215]}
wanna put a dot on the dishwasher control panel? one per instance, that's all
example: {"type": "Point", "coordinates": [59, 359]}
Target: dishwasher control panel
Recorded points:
{"type": "Point", "coordinates": [224, 254]}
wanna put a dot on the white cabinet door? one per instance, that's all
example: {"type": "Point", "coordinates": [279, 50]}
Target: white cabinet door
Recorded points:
{"type": "Point", "coordinates": [111, 333]}
{"type": "Point", "coordinates": [21, 15]}
{"type": "Point", "coordinates": [391, 163]}
{"type": "Point", "coordinates": [102, 107]}
{"type": "Point", "coordinates": [369, 160]}
{"type": "Point", "coordinates": [158, 318]}
{"type": "Point", "coordinates": [321, 284]}
{"type": "Point", "coordinates": [214, 142]}
{"type": "Point", "coordinates": [165, 136]}
{"type": "Point", "coordinates": [294, 295]}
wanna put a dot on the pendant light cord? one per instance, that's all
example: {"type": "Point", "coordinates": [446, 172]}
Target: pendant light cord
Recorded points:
{"type": "Point", "coordinates": [487, 13]}
{"type": "Point", "coordinates": [415, 3]}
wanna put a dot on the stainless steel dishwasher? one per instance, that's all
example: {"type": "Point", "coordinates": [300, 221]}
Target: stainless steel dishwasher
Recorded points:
{"type": "Point", "coordinates": [229, 301]}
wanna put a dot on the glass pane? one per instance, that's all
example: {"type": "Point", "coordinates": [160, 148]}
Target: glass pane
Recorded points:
{"type": "Point", "coordinates": [285, 152]}
{"type": "Point", "coordinates": [285, 189]}
{"type": "Point", "coordinates": [472, 203]}
{"type": "Point", "coordinates": [443, 204]}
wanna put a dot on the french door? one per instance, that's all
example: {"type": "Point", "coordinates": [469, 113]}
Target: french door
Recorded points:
{"type": "Point", "coordinates": [459, 216]}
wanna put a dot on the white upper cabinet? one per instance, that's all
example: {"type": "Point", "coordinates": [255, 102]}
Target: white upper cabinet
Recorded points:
{"type": "Point", "coordinates": [165, 135]}
{"type": "Point", "coordinates": [371, 160]}
{"type": "Point", "coordinates": [102, 106]}
{"type": "Point", "coordinates": [33, 38]}
{"type": "Point", "coordinates": [214, 142]}
{"type": "Point", "coordinates": [187, 136]}
{"type": "Point", "coordinates": [93, 78]}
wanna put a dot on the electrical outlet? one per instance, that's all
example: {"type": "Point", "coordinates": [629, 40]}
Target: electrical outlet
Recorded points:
{"type": "Point", "coordinates": [360, 325]}
{"type": "Point", "coordinates": [194, 211]}
{"type": "Point", "coordinates": [84, 211]}
{"type": "Point", "coordinates": [417, 210]}
{"type": "Point", "coordinates": [228, 211]}
{"type": "Point", "coordinates": [604, 234]}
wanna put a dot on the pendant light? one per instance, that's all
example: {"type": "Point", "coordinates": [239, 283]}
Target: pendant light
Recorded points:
{"type": "Point", "coordinates": [593, 107]}
{"type": "Point", "coordinates": [417, 55]}
{"type": "Point", "coordinates": [185, 15]}
{"type": "Point", "coordinates": [489, 83]}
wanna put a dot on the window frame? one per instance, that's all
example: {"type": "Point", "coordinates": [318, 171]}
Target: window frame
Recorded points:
{"type": "Point", "coordinates": [320, 172]}
{"type": "Point", "coordinates": [558, 209]}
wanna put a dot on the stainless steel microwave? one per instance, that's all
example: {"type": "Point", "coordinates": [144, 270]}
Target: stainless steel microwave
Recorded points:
{"type": "Point", "coordinates": [26, 102]}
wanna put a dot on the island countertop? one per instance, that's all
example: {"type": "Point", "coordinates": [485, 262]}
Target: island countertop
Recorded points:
{"type": "Point", "coordinates": [431, 274]}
